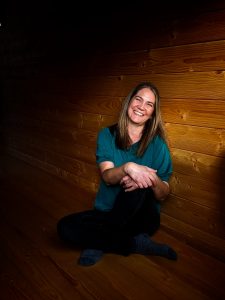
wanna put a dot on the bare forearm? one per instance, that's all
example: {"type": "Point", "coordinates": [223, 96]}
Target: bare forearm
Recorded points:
{"type": "Point", "coordinates": [141, 175]}
{"type": "Point", "coordinates": [161, 190]}
{"type": "Point", "coordinates": [132, 176]}
{"type": "Point", "coordinates": [114, 175]}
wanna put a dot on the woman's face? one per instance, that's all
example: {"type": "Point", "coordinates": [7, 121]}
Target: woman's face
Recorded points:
{"type": "Point", "coordinates": [141, 107]}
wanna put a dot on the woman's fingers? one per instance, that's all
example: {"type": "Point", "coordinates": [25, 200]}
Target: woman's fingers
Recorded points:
{"type": "Point", "coordinates": [139, 177]}
{"type": "Point", "coordinates": [128, 183]}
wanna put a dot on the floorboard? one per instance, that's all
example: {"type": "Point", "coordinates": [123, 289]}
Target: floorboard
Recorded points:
{"type": "Point", "coordinates": [36, 265]}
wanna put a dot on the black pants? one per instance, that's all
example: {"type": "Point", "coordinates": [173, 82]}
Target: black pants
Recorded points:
{"type": "Point", "coordinates": [133, 213]}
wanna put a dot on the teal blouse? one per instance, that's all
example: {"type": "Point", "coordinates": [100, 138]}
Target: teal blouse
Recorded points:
{"type": "Point", "coordinates": [156, 156]}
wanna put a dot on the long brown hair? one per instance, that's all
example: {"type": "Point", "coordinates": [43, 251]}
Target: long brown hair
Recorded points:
{"type": "Point", "coordinates": [153, 126]}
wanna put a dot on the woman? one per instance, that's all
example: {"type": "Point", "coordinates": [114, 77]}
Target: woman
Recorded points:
{"type": "Point", "coordinates": [135, 166]}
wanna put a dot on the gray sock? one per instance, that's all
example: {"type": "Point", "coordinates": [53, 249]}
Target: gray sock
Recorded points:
{"type": "Point", "coordinates": [142, 244]}
{"type": "Point", "coordinates": [89, 257]}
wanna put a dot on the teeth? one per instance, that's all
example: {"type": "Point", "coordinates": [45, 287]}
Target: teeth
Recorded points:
{"type": "Point", "coordinates": [138, 113]}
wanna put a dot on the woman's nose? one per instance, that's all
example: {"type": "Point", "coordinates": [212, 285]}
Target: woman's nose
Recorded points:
{"type": "Point", "coordinates": [141, 105]}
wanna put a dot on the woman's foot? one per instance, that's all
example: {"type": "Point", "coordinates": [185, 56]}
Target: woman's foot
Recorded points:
{"type": "Point", "coordinates": [142, 244]}
{"type": "Point", "coordinates": [90, 257]}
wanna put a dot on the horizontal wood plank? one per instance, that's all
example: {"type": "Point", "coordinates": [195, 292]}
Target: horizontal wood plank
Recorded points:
{"type": "Point", "coordinates": [198, 190]}
{"type": "Point", "coordinates": [205, 113]}
{"type": "Point", "coordinates": [201, 240]}
{"type": "Point", "coordinates": [183, 58]}
{"type": "Point", "coordinates": [196, 215]}
{"type": "Point", "coordinates": [197, 85]}
{"type": "Point", "coordinates": [187, 85]}
{"type": "Point", "coordinates": [190, 180]}
{"type": "Point", "coordinates": [66, 118]}
{"type": "Point", "coordinates": [13, 284]}
{"type": "Point", "coordinates": [38, 145]}
{"type": "Point", "coordinates": [197, 139]}
{"type": "Point", "coordinates": [66, 134]}
{"type": "Point", "coordinates": [55, 170]}
{"type": "Point", "coordinates": [74, 166]}
{"type": "Point", "coordinates": [198, 267]}
{"type": "Point", "coordinates": [208, 167]}
{"type": "Point", "coordinates": [210, 141]}
{"type": "Point", "coordinates": [202, 27]}
{"type": "Point", "coordinates": [31, 261]}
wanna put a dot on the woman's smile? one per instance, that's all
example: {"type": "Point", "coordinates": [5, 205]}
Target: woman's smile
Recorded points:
{"type": "Point", "coordinates": [141, 106]}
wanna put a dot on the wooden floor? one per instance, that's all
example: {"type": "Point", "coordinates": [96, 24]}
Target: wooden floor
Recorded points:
{"type": "Point", "coordinates": [35, 265]}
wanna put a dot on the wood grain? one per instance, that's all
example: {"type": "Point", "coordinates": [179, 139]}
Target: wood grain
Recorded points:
{"type": "Point", "coordinates": [51, 113]}
{"type": "Point", "coordinates": [36, 262]}
{"type": "Point", "coordinates": [199, 57]}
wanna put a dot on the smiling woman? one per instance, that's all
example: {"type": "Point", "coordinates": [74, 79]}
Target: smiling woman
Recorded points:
{"type": "Point", "coordinates": [141, 108]}
{"type": "Point", "coordinates": [135, 166]}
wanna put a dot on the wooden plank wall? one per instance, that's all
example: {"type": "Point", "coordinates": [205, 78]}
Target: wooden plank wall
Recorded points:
{"type": "Point", "coordinates": [52, 117]}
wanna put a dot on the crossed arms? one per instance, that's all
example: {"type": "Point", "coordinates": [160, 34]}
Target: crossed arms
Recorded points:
{"type": "Point", "coordinates": [133, 176]}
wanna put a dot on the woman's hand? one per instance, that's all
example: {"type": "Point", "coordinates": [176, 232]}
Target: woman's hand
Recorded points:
{"type": "Point", "coordinates": [128, 184]}
{"type": "Point", "coordinates": [143, 176]}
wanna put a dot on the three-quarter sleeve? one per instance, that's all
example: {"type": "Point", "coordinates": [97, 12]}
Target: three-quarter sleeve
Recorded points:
{"type": "Point", "coordinates": [104, 149]}
{"type": "Point", "coordinates": [162, 161]}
